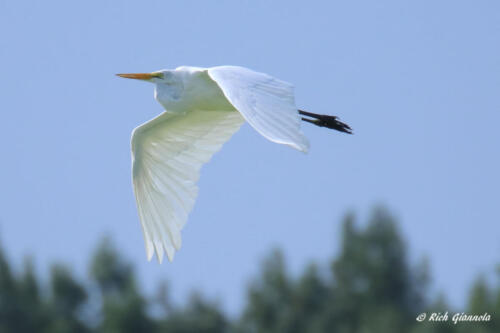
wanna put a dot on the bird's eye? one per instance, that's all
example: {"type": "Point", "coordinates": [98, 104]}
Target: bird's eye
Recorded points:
{"type": "Point", "coordinates": [158, 75]}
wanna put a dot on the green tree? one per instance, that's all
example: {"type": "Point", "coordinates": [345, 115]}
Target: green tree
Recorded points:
{"type": "Point", "coordinates": [269, 298]}
{"type": "Point", "coordinates": [21, 307]}
{"type": "Point", "coordinates": [439, 305]}
{"type": "Point", "coordinates": [369, 287]}
{"type": "Point", "coordinates": [374, 286]}
{"type": "Point", "coordinates": [123, 309]}
{"type": "Point", "coordinates": [67, 300]}
{"type": "Point", "coordinates": [481, 301]}
{"type": "Point", "coordinates": [199, 315]}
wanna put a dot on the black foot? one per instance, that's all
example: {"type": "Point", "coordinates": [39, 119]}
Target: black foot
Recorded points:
{"type": "Point", "coordinates": [326, 121]}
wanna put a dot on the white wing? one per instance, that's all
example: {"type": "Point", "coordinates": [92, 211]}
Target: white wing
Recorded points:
{"type": "Point", "coordinates": [266, 103]}
{"type": "Point", "coordinates": [167, 154]}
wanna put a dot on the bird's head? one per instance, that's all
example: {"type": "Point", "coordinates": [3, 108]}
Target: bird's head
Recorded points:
{"type": "Point", "coordinates": [169, 84]}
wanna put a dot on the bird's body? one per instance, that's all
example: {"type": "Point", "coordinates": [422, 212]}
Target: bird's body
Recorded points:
{"type": "Point", "coordinates": [204, 107]}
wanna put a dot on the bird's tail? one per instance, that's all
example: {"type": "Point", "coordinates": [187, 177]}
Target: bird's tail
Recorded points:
{"type": "Point", "coordinates": [327, 121]}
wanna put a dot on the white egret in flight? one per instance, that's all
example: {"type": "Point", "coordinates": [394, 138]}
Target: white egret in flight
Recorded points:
{"type": "Point", "coordinates": [204, 107]}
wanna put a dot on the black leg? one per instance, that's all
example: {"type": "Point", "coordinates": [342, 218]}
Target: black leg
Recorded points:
{"type": "Point", "coordinates": [327, 121]}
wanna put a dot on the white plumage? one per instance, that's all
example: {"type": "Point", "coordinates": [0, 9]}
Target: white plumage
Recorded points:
{"type": "Point", "coordinates": [203, 109]}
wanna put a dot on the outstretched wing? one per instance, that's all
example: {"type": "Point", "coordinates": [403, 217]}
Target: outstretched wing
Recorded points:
{"type": "Point", "coordinates": [167, 154]}
{"type": "Point", "coordinates": [266, 103]}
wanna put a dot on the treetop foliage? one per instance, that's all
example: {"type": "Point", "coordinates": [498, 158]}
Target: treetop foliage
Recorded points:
{"type": "Point", "coordinates": [370, 286]}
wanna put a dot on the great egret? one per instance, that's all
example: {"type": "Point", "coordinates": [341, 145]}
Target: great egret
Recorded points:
{"type": "Point", "coordinates": [204, 107]}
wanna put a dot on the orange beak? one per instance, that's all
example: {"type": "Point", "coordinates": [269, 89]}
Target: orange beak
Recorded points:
{"type": "Point", "coordinates": [139, 76]}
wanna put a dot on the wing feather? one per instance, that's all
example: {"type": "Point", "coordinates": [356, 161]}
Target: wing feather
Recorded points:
{"type": "Point", "coordinates": [266, 103]}
{"type": "Point", "coordinates": [167, 154]}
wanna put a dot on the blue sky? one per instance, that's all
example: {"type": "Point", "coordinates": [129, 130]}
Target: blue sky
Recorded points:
{"type": "Point", "coordinates": [418, 81]}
